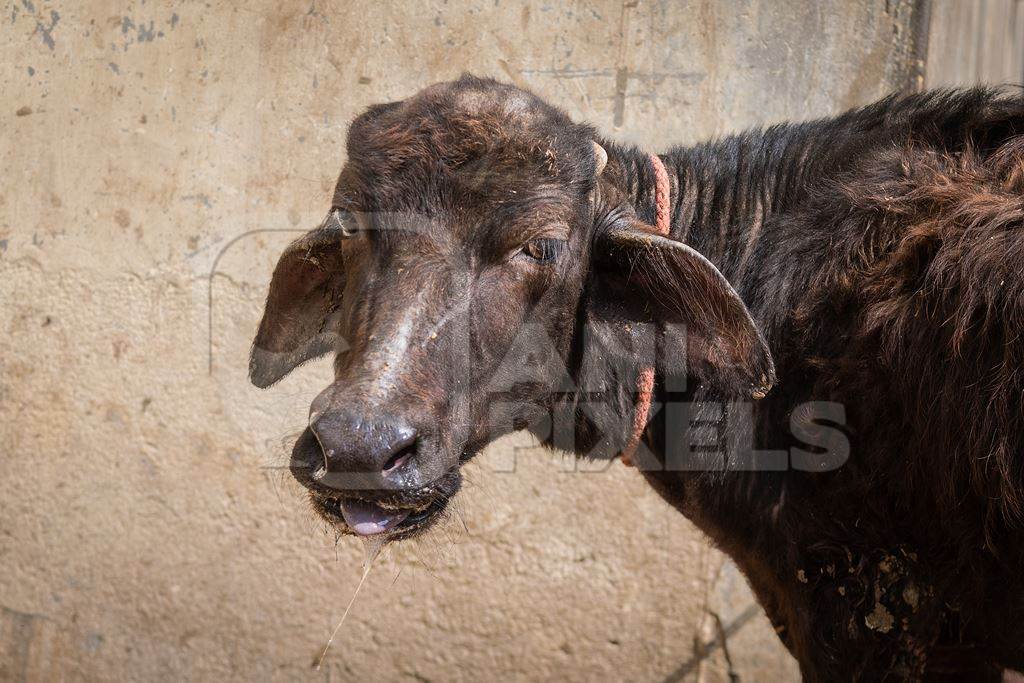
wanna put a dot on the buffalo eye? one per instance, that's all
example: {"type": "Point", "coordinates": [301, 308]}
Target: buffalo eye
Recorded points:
{"type": "Point", "coordinates": [543, 250]}
{"type": "Point", "coordinates": [343, 222]}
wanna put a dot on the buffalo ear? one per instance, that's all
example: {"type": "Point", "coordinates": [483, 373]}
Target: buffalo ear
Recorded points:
{"type": "Point", "coordinates": [305, 291]}
{"type": "Point", "coordinates": [648, 284]}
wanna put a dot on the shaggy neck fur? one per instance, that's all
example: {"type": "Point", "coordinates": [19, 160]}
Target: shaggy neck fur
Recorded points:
{"type": "Point", "coordinates": [871, 250]}
{"type": "Point", "coordinates": [722, 192]}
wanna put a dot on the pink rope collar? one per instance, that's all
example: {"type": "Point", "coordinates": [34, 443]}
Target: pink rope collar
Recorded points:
{"type": "Point", "coordinates": [645, 382]}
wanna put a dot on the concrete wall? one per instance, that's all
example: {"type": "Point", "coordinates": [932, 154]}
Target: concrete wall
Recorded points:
{"type": "Point", "coordinates": [146, 526]}
{"type": "Point", "coordinates": [975, 41]}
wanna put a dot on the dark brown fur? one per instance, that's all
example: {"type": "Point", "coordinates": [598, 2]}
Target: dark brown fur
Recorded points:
{"type": "Point", "coordinates": [893, 286]}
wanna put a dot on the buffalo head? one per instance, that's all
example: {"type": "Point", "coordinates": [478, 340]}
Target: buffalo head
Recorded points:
{"type": "Point", "coordinates": [482, 269]}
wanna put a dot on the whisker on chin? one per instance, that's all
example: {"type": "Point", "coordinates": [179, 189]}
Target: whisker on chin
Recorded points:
{"type": "Point", "coordinates": [414, 546]}
{"type": "Point", "coordinates": [472, 479]}
{"type": "Point", "coordinates": [462, 519]}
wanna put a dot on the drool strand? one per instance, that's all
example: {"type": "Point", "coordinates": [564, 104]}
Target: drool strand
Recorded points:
{"type": "Point", "coordinates": [372, 544]}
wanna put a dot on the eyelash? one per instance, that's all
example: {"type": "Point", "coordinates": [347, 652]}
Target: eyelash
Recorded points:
{"type": "Point", "coordinates": [543, 250]}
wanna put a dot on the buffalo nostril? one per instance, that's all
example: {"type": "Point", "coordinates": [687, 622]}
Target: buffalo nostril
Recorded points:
{"type": "Point", "coordinates": [399, 459]}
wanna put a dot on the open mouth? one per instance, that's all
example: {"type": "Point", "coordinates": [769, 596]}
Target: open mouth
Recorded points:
{"type": "Point", "coordinates": [390, 514]}
{"type": "Point", "coordinates": [366, 518]}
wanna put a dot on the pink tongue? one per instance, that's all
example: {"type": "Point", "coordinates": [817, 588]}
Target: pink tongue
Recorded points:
{"type": "Point", "coordinates": [367, 519]}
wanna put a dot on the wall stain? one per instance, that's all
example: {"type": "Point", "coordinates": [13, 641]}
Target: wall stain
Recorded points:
{"type": "Point", "coordinates": [141, 31]}
{"type": "Point", "coordinates": [201, 198]}
{"type": "Point", "coordinates": [122, 218]}
{"type": "Point", "coordinates": [26, 645]}
{"type": "Point", "coordinates": [46, 32]}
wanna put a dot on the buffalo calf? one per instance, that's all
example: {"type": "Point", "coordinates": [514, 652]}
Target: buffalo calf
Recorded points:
{"type": "Point", "coordinates": [807, 338]}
